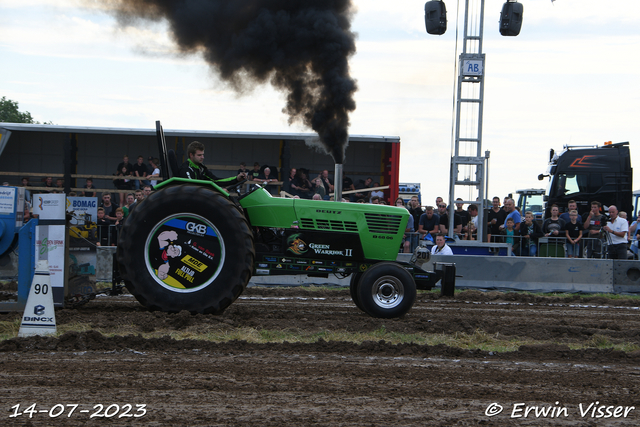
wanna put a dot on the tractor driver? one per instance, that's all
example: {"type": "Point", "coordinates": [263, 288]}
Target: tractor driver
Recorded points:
{"type": "Point", "coordinates": [194, 168]}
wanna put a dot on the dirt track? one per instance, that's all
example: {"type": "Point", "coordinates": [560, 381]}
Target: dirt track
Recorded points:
{"type": "Point", "coordinates": [190, 382]}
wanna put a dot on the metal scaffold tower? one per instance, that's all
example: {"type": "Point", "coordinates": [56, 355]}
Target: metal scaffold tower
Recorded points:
{"type": "Point", "coordinates": [468, 162]}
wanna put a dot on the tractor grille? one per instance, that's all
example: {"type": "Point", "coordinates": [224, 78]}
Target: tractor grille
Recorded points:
{"type": "Point", "coordinates": [307, 223]}
{"type": "Point", "coordinates": [325, 224]}
{"type": "Point", "coordinates": [381, 223]}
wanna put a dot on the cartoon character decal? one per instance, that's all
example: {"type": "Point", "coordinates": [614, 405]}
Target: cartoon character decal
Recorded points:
{"type": "Point", "coordinates": [297, 245]}
{"type": "Point", "coordinates": [169, 249]}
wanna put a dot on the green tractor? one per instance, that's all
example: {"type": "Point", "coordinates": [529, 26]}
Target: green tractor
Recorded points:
{"type": "Point", "coordinates": [192, 245]}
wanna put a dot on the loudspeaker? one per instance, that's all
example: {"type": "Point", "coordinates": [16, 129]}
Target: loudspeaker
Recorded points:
{"type": "Point", "coordinates": [435, 17]}
{"type": "Point", "coordinates": [511, 19]}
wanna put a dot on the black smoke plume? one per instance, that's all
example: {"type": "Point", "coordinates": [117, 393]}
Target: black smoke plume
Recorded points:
{"type": "Point", "coordinates": [301, 46]}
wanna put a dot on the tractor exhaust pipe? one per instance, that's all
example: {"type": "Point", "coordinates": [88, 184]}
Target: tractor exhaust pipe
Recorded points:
{"type": "Point", "coordinates": [337, 183]}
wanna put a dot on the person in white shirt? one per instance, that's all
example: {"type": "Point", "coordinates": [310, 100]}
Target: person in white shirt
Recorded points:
{"type": "Point", "coordinates": [618, 229]}
{"type": "Point", "coordinates": [156, 172]}
{"type": "Point", "coordinates": [377, 193]}
{"type": "Point", "coordinates": [441, 248]}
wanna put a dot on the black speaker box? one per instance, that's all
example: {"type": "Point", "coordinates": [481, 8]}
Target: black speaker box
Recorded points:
{"type": "Point", "coordinates": [511, 19]}
{"type": "Point", "coordinates": [435, 17]}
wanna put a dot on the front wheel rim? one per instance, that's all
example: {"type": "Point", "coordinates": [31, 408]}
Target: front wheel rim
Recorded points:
{"type": "Point", "coordinates": [388, 292]}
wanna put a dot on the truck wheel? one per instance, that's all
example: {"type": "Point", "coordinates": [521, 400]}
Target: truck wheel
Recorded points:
{"type": "Point", "coordinates": [386, 290]}
{"type": "Point", "coordinates": [353, 287]}
{"type": "Point", "coordinates": [186, 248]}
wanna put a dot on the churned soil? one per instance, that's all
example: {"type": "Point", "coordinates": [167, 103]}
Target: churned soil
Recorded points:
{"type": "Point", "coordinates": [375, 383]}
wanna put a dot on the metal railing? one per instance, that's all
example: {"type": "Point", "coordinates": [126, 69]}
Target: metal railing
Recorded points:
{"type": "Point", "coordinates": [558, 247]}
{"type": "Point", "coordinates": [104, 235]}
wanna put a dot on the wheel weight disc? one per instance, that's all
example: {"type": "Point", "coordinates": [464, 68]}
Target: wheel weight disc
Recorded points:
{"type": "Point", "coordinates": [184, 253]}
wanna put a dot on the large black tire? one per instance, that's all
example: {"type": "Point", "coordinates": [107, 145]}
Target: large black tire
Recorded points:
{"type": "Point", "coordinates": [386, 290]}
{"type": "Point", "coordinates": [186, 248]}
{"type": "Point", "coordinates": [353, 287]}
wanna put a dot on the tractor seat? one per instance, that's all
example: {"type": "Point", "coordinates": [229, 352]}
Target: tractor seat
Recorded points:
{"type": "Point", "coordinates": [173, 163]}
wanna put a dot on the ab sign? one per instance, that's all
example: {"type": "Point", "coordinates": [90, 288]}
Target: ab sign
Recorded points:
{"type": "Point", "coordinates": [472, 67]}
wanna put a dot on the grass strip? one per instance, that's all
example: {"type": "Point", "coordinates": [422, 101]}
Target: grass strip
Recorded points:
{"type": "Point", "coordinates": [479, 339]}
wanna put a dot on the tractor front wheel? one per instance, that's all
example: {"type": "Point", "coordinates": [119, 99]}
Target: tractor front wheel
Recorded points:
{"type": "Point", "coordinates": [386, 290]}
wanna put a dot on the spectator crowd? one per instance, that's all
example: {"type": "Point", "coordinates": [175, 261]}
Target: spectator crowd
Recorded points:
{"type": "Point", "coordinates": [602, 232]}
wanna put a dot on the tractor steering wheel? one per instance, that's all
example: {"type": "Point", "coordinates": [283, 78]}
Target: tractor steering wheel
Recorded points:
{"type": "Point", "coordinates": [235, 187]}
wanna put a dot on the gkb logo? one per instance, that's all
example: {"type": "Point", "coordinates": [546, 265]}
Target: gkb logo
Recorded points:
{"type": "Point", "coordinates": [192, 227]}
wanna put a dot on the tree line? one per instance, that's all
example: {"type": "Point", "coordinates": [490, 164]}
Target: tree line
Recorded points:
{"type": "Point", "coordinates": [10, 113]}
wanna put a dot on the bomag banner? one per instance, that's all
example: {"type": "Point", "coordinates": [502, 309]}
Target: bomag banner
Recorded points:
{"type": "Point", "coordinates": [82, 213]}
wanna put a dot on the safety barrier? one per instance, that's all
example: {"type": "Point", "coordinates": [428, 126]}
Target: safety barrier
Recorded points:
{"type": "Point", "coordinates": [538, 274]}
{"type": "Point", "coordinates": [523, 273]}
{"type": "Point", "coordinates": [535, 274]}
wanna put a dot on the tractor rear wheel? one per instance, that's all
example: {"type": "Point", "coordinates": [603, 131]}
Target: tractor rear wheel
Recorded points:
{"type": "Point", "coordinates": [186, 248]}
{"type": "Point", "coordinates": [386, 290]}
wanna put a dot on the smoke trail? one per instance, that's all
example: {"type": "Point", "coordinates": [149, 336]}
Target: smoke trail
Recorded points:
{"type": "Point", "coordinates": [301, 46]}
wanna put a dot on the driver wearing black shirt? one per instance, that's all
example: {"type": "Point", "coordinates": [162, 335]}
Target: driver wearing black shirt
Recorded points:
{"type": "Point", "coordinates": [194, 168]}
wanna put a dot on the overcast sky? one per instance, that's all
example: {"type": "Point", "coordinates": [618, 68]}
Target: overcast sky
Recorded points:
{"type": "Point", "coordinates": [572, 77]}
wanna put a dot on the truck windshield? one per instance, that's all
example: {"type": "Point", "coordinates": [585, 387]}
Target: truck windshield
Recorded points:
{"type": "Point", "coordinates": [567, 185]}
{"type": "Point", "coordinates": [533, 203]}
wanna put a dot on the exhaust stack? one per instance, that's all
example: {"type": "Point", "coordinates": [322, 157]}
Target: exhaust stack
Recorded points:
{"type": "Point", "coordinates": [337, 183]}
